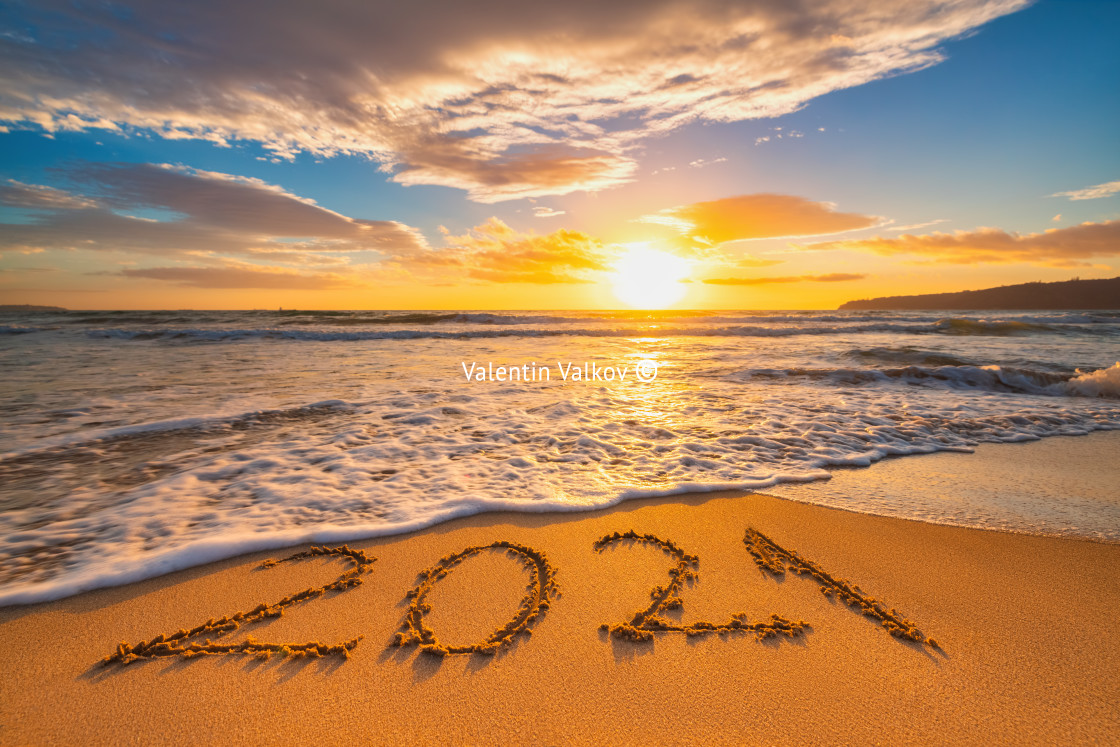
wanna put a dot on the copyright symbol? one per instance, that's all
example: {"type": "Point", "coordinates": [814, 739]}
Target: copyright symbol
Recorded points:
{"type": "Point", "coordinates": [646, 370]}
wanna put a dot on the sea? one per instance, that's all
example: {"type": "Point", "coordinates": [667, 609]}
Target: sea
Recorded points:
{"type": "Point", "coordinates": [134, 443]}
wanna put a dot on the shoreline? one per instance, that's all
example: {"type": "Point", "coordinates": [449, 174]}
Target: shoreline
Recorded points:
{"type": "Point", "coordinates": [897, 478]}
{"type": "Point", "coordinates": [1026, 626]}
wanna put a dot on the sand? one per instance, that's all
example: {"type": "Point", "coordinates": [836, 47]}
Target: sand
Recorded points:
{"type": "Point", "coordinates": [1027, 625]}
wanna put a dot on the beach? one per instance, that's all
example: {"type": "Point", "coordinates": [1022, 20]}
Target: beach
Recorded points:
{"type": "Point", "coordinates": [1027, 647]}
{"type": "Point", "coordinates": [715, 373]}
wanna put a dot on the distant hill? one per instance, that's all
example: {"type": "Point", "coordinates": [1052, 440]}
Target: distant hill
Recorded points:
{"type": "Point", "coordinates": [1071, 294]}
{"type": "Point", "coordinates": [28, 307]}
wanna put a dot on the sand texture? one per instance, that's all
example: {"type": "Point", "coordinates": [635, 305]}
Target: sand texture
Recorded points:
{"type": "Point", "coordinates": [1027, 640]}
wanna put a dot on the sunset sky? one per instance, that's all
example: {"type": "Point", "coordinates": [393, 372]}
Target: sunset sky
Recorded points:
{"type": "Point", "coordinates": [500, 155]}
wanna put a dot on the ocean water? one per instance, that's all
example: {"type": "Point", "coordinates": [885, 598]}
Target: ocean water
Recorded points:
{"type": "Point", "coordinates": [136, 443]}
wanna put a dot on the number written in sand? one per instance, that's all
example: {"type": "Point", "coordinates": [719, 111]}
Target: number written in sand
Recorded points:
{"type": "Point", "coordinates": [542, 589]}
{"type": "Point", "coordinates": [774, 559]}
{"type": "Point", "coordinates": [179, 643]}
{"type": "Point", "coordinates": [647, 621]}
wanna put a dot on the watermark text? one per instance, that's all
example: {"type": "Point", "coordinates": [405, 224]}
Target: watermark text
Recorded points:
{"type": "Point", "coordinates": [586, 371]}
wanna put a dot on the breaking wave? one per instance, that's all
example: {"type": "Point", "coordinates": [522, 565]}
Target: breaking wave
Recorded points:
{"type": "Point", "coordinates": [1103, 383]}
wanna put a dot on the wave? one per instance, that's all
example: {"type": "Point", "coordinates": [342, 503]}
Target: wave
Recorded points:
{"type": "Point", "coordinates": [315, 335]}
{"type": "Point", "coordinates": [115, 562]}
{"type": "Point", "coordinates": [612, 317]}
{"type": "Point", "coordinates": [908, 355]}
{"type": "Point", "coordinates": [997, 324]}
{"type": "Point", "coordinates": [955, 326]}
{"type": "Point", "coordinates": [168, 430]}
{"type": "Point", "coordinates": [115, 571]}
{"type": "Point", "coordinates": [1001, 323]}
{"type": "Point", "coordinates": [966, 326]}
{"type": "Point", "coordinates": [117, 318]}
{"type": "Point", "coordinates": [349, 318]}
{"type": "Point", "coordinates": [353, 320]}
{"type": "Point", "coordinates": [1104, 383]}
{"type": "Point", "coordinates": [133, 502]}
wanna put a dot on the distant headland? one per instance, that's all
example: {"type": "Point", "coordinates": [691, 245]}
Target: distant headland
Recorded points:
{"type": "Point", "coordinates": [28, 307]}
{"type": "Point", "coordinates": [1070, 294]}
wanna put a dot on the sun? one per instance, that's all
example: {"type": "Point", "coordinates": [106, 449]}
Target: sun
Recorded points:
{"type": "Point", "coordinates": [646, 278]}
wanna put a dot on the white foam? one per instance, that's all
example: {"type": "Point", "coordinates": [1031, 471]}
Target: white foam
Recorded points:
{"type": "Point", "coordinates": [1104, 382]}
{"type": "Point", "coordinates": [279, 436]}
{"type": "Point", "coordinates": [209, 421]}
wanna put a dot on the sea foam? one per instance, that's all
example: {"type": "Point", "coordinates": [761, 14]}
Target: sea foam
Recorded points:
{"type": "Point", "coordinates": [168, 439]}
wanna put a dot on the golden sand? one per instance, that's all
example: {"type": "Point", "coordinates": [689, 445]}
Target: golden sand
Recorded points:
{"type": "Point", "coordinates": [773, 558]}
{"type": "Point", "coordinates": [649, 620]}
{"type": "Point", "coordinates": [1027, 629]}
{"type": "Point", "coordinates": [175, 644]}
{"type": "Point", "coordinates": [541, 590]}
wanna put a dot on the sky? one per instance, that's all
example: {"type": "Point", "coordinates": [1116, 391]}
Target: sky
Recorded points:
{"type": "Point", "coordinates": [760, 154]}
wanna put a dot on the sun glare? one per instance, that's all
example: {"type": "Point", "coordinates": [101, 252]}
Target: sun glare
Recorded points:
{"type": "Point", "coordinates": [646, 278]}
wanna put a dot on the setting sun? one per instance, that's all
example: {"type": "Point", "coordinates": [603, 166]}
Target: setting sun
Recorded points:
{"type": "Point", "coordinates": [501, 302]}
{"type": "Point", "coordinates": [646, 278]}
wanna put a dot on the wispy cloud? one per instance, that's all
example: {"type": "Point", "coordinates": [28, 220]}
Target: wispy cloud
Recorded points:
{"type": "Point", "coordinates": [780, 133]}
{"type": "Point", "coordinates": [835, 277]}
{"type": "Point", "coordinates": [225, 214]}
{"type": "Point", "coordinates": [758, 216]}
{"type": "Point", "coordinates": [546, 212]}
{"type": "Point", "coordinates": [752, 261]}
{"type": "Point", "coordinates": [41, 197]}
{"type": "Point", "coordinates": [700, 163]}
{"type": "Point", "coordinates": [529, 99]}
{"type": "Point", "coordinates": [1059, 247]}
{"type": "Point", "coordinates": [916, 226]}
{"type": "Point", "coordinates": [243, 277]}
{"type": "Point", "coordinates": [1091, 193]}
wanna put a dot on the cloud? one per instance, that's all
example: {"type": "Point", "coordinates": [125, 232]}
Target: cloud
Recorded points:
{"type": "Point", "coordinates": [779, 134]}
{"type": "Point", "coordinates": [494, 252]}
{"type": "Point", "coordinates": [488, 176]}
{"type": "Point", "coordinates": [225, 214]}
{"type": "Point", "coordinates": [28, 269]}
{"type": "Point", "coordinates": [1091, 193]}
{"type": "Point", "coordinates": [243, 277]}
{"type": "Point", "coordinates": [700, 163]}
{"type": "Point", "coordinates": [752, 261]}
{"type": "Point", "coordinates": [546, 212]}
{"type": "Point", "coordinates": [915, 226]}
{"type": "Point", "coordinates": [758, 216]}
{"type": "Point", "coordinates": [1060, 247]}
{"type": "Point", "coordinates": [38, 196]}
{"type": "Point", "coordinates": [835, 277]}
{"type": "Point", "coordinates": [506, 101]}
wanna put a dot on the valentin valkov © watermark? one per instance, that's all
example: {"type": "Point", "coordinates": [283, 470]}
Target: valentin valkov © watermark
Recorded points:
{"type": "Point", "coordinates": [589, 371]}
